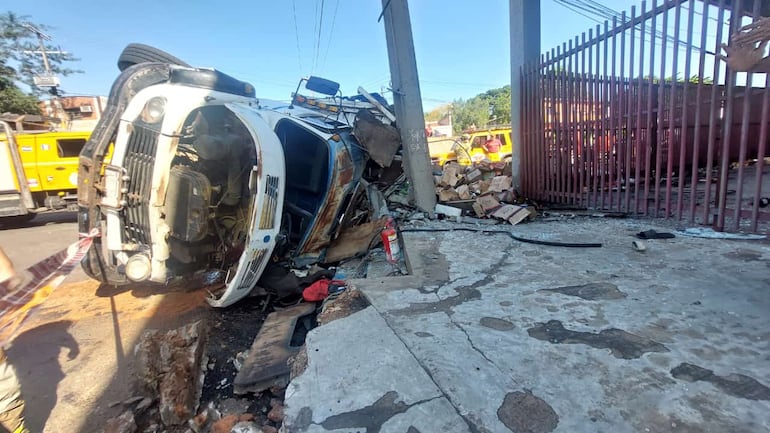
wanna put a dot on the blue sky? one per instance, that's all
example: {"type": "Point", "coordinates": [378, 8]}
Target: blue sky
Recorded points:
{"type": "Point", "coordinates": [462, 47]}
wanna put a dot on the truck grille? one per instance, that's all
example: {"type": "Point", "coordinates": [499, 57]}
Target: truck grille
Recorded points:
{"type": "Point", "coordinates": [252, 272]}
{"type": "Point", "coordinates": [267, 220]}
{"type": "Point", "coordinates": [139, 163]}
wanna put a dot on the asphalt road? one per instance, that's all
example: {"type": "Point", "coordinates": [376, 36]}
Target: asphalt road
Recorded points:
{"type": "Point", "coordinates": [33, 241]}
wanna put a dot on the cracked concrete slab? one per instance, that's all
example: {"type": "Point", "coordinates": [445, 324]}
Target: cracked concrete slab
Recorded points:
{"type": "Point", "coordinates": [672, 340]}
{"type": "Point", "coordinates": [360, 377]}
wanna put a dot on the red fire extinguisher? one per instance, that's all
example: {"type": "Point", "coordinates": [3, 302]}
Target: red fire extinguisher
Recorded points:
{"type": "Point", "coordinates": [390, 241]}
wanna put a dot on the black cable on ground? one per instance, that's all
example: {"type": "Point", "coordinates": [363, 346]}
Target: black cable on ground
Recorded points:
{"type": "Point", "coordinates": [513, 236]}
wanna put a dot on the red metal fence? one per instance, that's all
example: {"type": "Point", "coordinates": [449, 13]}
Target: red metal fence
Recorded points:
{"type": "Point", "coordinates": [640, 116]}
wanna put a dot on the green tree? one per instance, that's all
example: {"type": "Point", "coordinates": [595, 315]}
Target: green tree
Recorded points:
{"type": "Point", "coordinates": [437, 113]}
{"type": "Point", "coordinates": [13, 100]}
{"type": "Point", "coordinates": [490, 107]}
{"type": "Point", "coordinates": [18, 65]}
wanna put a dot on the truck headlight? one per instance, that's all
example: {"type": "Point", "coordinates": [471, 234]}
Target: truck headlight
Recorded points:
{"type": "Point", "coordinates": [138, 267]}
{"type": "Point", "coordinates": [154, 110]}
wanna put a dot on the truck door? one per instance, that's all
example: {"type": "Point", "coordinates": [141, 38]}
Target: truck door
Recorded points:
{"type": "Point", "coordinates": [57, 159]}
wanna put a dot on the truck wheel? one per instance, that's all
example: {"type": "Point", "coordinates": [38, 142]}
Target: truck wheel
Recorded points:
{"type": "Point", "coordinates": [134, 54]}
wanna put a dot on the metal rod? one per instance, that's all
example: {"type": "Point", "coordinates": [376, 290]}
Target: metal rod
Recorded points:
{"type": "Point", "coordinates": [620, 139]}
{"type": "Point", "coordinates": [656, 10]}
{"type": "Point", "coordinates": [613, 118]}
{"type": "Point", "coordinates": [639, 91]}
{"type": "Point", "coordinates": [713, 117]}
{"type": "Point", "coordinates": [724, 169]}
{"type": "Point", "coordinates": [541, 154]}
{"type": "Point", "coordinates": [660, 122]}
{"type": "Point", "coordinates": [685, 112]}
{"type": "Point", "coordinates": [568, 126]}
{"type": "Point", "coordinates": [583, 124]}
{"type": "Point", "coordinates": [649, 149]}
{"type": "Point", "coordinates": [698, 128]}
{"type": "Point", "coordinates": [765, 119]}
{"type": "Point", "coordinates": [744, 138]}
{"type": "Point", "coordinates": [592, 136]}
{"type": "Point", "coordinates": [605, 112]}
{"type": "Point", "coordinates": [672, 112]}
{"type": "Point", "coordinates": [629, 104]}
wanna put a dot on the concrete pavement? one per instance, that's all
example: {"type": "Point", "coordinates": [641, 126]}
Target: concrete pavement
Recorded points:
{"type": "Point", "coordinates": [494, 335]}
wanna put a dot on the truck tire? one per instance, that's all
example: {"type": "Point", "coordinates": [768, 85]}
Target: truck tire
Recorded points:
{"type": "Point", "coordinates": [134, 54]}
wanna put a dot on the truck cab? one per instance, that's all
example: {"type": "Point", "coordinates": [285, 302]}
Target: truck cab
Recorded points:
{"type": "Point", "coordinates": [206, 176]}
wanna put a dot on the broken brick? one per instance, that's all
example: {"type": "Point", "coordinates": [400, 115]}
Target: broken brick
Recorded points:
{"type": "Point", "coordinates": [500, 183]}
{"type": "Point", "coordinates": [276, 413]}
{"type": "Point", "coordinates": [463, 192]}
{"type": "Point", "coordinates": [224, 425]}
{"type": "Point", "coordinates": [448, 195]}
{"type": "Point", "coordinates": [479, 210]}
{"type": "Point", "coordinates": [488, 203]}
{"type": "Point", "coordinates": [512, 213]}
{"type": "Point", "coordinates": [473, 175]}
{"type": "Point", "coordinates": [451, 177]}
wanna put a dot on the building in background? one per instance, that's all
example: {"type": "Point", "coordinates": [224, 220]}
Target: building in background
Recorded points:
{"type": "Point", "coordinates": [76, 113]}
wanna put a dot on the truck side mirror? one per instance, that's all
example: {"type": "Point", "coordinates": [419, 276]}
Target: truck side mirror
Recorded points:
{"type": "Point", "coordinates": [322, 85]}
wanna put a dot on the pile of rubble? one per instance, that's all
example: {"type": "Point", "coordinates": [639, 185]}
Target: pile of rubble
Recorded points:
{"type": "Point", "coordinates": [170, 369]}
{"type": "Point", "coordinates": [484, 190]}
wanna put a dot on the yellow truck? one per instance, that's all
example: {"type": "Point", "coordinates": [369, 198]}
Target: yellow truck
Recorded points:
{"type": "Point", "coordinates": [38, 171]}
{"type": "Point", "coordinates": [469, 147]}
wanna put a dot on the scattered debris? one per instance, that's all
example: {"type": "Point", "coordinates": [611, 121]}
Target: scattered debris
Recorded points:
{"type": "Point", "coordinates": [652, 234]}
{"type": "Point", "coordinates": [124, 423]}
{"type": "Point", "coordinates": [709, 233]}
{"type": "Point", "coordinates": [169, 364]}
{"type": "Point", "coordinates": [347, 303]}
{"type": "Point", "coordinates": [266, 366]}
{"type": "Point", "coordinates": [321, 289]}
{"type": "Point", "coordinates": [276, 413]}
{"type": "Point", "coordinates": [246, 427]}
{"type": "Point", "coordinates": [355, 240]}
{"type": "Point", "coordinates": [482, 191]}
{"type": "Point", "coordinates": [639, 246]}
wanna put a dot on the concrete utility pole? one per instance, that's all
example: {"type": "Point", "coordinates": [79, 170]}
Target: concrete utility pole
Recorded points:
{"type": "Point", "coordinates": [525, 48]}
{"type": "Point", "coordinates": [408, 102]}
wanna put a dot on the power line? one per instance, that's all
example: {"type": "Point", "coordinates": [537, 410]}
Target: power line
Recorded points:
{"type": "Point", "coordinates": [331, 33]}
{"type": "Point", "coordinates": [296, 34]}
{"type": "Point", "coordinates": [318, 37]}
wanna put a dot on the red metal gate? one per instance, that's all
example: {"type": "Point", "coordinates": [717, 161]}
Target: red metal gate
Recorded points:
{"type": "Point", "coordinates": [642, 117]}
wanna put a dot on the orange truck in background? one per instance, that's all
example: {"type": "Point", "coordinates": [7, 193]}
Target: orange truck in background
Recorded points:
{"type": "Point", "coordinates": [38, 171]}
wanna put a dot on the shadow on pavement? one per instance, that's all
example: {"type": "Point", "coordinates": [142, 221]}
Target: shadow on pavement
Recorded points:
{"type": "Point", "coordinates": [35, 355]}
{"type": "Point", "coordinates": [8, 223]}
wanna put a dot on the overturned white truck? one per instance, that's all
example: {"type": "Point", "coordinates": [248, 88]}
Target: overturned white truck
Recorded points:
{"type": "Point", "coordinates": [205, 176]}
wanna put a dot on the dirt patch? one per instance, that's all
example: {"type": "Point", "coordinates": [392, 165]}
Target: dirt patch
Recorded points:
{"type": "Point", "coordinates": [622, 344]}
{"type": "Point", "coordinates": [590, 291]}
{"type": "Point", "coordinates": [737, 385]}
{"type": "Point", "coordinates": [495, 323]}
{"type": "Point", "coordinates": [347, 303]}
{"type": "Point", "coordinates": [523, 412]}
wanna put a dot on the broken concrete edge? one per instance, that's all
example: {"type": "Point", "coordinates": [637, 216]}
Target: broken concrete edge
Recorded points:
{"type": "Point", "coordinates": [167, 364]}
